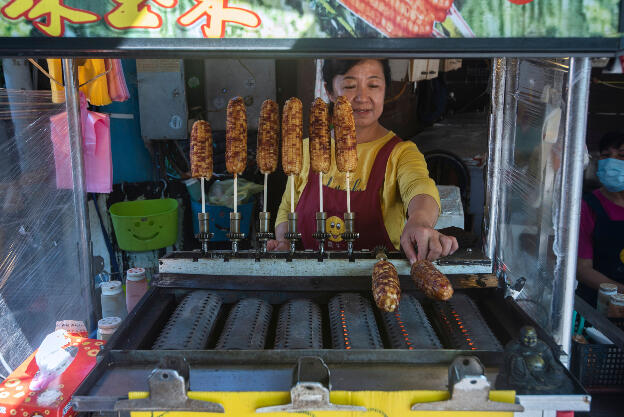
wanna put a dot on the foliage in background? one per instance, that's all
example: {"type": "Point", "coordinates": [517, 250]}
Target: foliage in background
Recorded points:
{"type": "Point", "coordinates": [329, 18]}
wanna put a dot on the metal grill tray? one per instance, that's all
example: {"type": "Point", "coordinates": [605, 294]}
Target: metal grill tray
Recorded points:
{"type": "Point", "coordinates": [353, 324]}
{"type": "Point", "coordinates": [191, 324]}
{"type": "Point", "coordinates": [462, 326]}
{"type": "Point", "coordinates": [299, 326]}
{"type": "Point", "coordinates": [408, 326]}
{"type": "Point", "coordinates": [246, 326]}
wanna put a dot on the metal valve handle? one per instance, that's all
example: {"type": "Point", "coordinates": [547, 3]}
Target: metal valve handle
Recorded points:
{"type": "Point", "coordinates": [470, 390]}
{"type": "Point", "coordinates": [167, 393]}
{"type": "Point", "coordinates": [310, 391]}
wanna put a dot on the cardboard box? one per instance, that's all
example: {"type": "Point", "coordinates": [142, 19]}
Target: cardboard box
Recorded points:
{"type": "Point", "coordinates": [423, 69]}
{"type": "Point", "coordinates": [17, 400]}
{"type": "Point", "coordinates": [450, 65]}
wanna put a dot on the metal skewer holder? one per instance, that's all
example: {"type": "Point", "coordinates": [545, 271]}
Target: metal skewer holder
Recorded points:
{"type": "Point", "coordinates": [235, 234]}
{"type": "Point", "coordinates": [292, 234]}
{"type": "Point", "coordinates": [321, 234]}
{"type": "Point", "coordinates": [350, 235]}
{"type": "Point", "coordinates": [264, 234]}
{"type": "Point", "coordinates": [204, 234]}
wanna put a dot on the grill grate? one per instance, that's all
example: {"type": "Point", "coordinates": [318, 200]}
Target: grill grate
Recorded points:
{"type": "Point", "coordinates": [192, 322]}
{"type": "Point", "coordinates": [462, 326]}
{"type": "Point", "coordinates": [353, 323]}
{"type": "Point", "coordinates": [246, 326]}
{"type": "Point", "coordinates": [408, 326]}
{"type": "Point", "coordinates": [299, 326]}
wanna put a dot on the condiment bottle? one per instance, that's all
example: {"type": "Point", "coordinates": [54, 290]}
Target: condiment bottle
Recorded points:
{"type": "Point", "coordinates": [616, 306]}
{"type": "Point", "coordinates": [107, 326]}
{"type": "Point", "coordinates": [113, 303]}
{"type": "Point", "coordinates": [604, 293]}
{"type": "Point", "coordinates": [136, 286]}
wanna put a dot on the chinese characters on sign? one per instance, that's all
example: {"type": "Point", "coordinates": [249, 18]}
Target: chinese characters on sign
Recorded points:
{"type": "Point", "coordinates": [310, 19]}
{"type": "Point", "coordinates": [217, 13]}
{"type": "Point", "coordinates": [49, 16]}
{"type": "Point", "coordinates": [54, 12]}
{"type": "Point", "coordinates": [136, 14]}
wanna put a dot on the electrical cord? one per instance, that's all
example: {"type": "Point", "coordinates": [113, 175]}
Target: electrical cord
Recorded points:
{"type": "Point", "coordinates": [609, 83]}
{"type": "Point", "coordinates": [398, 96]}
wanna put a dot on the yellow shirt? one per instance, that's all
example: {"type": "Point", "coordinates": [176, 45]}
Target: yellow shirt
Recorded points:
{"type": "Point", "coordinates": [406, 176]}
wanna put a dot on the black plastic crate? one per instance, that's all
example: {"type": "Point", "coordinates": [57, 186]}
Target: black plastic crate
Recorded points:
{"type": "Point", "coordinates": [598, 366]}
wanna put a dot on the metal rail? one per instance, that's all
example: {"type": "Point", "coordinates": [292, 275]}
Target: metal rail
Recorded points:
{"type": "Point", "coordinates": [570, 205]}
{"type": "Point", "coordinates": [81, 210]}
{"type": "Point", "coordinates": [310, 48]}
{"type": "Point", "coordinates": [495, 144]}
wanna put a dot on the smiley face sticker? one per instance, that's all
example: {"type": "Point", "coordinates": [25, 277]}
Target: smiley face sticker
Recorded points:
{"type": "Point", "coordinates": [335, 227]}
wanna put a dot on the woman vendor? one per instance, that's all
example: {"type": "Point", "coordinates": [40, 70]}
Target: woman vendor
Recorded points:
{"type": "Point", "coordinates": [396, 203]}
{"type": "Point", "coordinates": [601, 235]}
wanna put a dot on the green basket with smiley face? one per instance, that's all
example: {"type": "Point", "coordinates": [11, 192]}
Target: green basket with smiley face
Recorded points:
{"type": "Point", "coordinates": [144, 225]}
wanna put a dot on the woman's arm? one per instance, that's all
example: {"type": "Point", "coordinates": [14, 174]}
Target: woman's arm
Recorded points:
{"type": "Point", "coordinates": [422, 216]}
{"type": "Point", "coordinates": [586, 274]}
{"type": "Point", "coordinates": [280, 243]}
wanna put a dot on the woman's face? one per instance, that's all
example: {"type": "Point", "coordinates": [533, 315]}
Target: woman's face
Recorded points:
{"type": "Point", "coordinates": [364, 85]}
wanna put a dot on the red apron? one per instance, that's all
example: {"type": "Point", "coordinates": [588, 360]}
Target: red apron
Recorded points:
{"type": "Point", "coordinates": [365, 204]}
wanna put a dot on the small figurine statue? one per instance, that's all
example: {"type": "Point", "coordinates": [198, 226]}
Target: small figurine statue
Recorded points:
{"type": "Point", "coordinates": [530, 367]}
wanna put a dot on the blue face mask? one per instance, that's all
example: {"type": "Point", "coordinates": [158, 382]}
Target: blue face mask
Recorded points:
{"type": "Point", "coordinates": [611, 174]}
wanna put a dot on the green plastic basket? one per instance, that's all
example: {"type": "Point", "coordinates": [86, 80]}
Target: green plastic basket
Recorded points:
{"type": "Point", "coordinates": [144, 225]}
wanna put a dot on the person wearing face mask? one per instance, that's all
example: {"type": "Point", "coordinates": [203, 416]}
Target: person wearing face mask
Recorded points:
{"type": "Point", "coordinates": [601, 235]}
{"type": "Point", "coordinates": [395, 201]}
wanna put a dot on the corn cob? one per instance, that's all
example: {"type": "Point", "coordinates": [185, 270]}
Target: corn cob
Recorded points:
{"type": "Point", "coordinates": [236, 137]}
{"type": "Point", "coordinates": [268, 137]}
{"type": "Point", "coordinates": [201, 150]}
{"type": "Point", "coordinates": [386, 289]}
{"type": "Point", "coordinates": [320, 144]}
{"type": "Point", "coordinates": [346, 143]}
{"type": "Point", "coordinates": [292, 133]}
{"type": "Point", "coordinates": [431, 281]}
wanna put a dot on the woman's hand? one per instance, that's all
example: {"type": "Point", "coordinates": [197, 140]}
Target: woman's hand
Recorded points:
{"type": "Point", "coordinates": [278, 245]}
{"type": "Point", "coordinates": [431, 243]}
{"type": "Point", "coordinates": [419, 231]}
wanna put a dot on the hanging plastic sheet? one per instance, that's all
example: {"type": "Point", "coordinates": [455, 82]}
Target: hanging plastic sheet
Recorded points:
{"type": "Point", "coordinates": [531, 186]}
{"type": "Point", "coordinates": [39, 273]}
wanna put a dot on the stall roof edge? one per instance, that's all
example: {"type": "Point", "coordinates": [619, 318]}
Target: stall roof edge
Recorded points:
{"type": "Point", "coordinates": [308, 48]}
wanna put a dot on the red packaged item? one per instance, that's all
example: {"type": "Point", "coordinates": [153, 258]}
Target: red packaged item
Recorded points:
{"type": "Point", "coordinates": [31, 391]}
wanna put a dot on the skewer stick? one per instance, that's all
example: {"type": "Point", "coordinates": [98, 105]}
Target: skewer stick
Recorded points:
{"type": "Point", "coordinates": [203, 198]}
{"type": "Point", "coordinates": [266, 176]}
{"type": "Point", "coordinates": [321, 191]}
{"type": "Point", "coordinates": [348, 195]}
{"type": "Point", "coordinates": [235, 193]}
{"type": "Point", "coordinates": [292, 193]}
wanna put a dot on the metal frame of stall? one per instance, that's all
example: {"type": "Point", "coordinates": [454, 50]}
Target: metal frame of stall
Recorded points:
{"type": "Point", "coordinates": [502, 122]}
{"type": "Point", "coordinates": [505, 72]}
